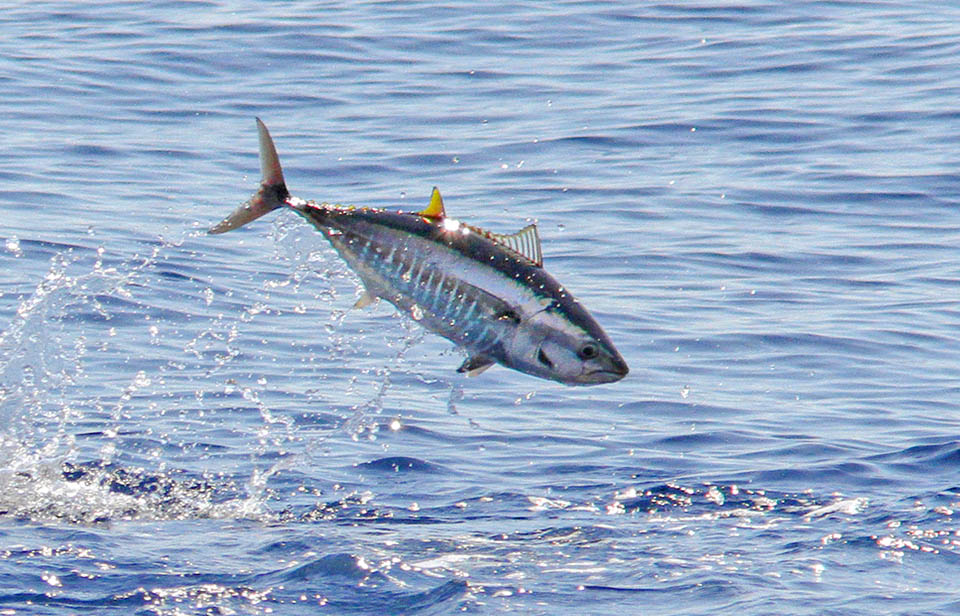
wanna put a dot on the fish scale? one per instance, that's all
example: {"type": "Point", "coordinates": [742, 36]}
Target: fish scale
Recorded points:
{"type": "Point", "coordinates": [488, 293]}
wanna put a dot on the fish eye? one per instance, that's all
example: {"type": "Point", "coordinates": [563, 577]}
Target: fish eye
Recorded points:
{"type": "Point", "coordinates": [588, 351]}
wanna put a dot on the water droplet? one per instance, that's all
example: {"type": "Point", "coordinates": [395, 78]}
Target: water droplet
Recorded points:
{"type": "Point", "coordinates": [13, 245]}
{"type": "Point", "coordinates": [416, 312]}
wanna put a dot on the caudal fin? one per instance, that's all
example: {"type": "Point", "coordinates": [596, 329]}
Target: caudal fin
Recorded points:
{"type": "Point", "coordinates": [272, 193]}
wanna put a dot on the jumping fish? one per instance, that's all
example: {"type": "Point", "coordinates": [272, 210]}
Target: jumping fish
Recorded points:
{"type": "Point", "coordinates": [486, 292]}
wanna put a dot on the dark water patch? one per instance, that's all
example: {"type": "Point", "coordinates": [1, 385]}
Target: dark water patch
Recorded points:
{"type": "Point", "coordinates": [285, 547]}
{"type": "Point", "coordinates": [846, 474]}
{"type": "Point", "coordinates": [812, 449]}
{"type": "Point", "coordinates": [121, 311]}
{"type": "Point", "coordinates": [402, 464]}
{"type": "Point", "coordinates": [806, 262]}
{"type": "Point", "coordinates": [331, 565]}
{"type": "Point", "coordinates": [562, 470]}
{"type": "Point", "coordinates": [753, 128]}
{"type": "Point", "coordinates": [596, 141]}
{"type": "Point", "coordinates": [435, 601]}
{"type": "Point", "coordinates": [180, 276]}
{"type": "Point", "coordinates": [795, 342]}
{"type": "Point", "coordinates": [775, 210]}
{"type": "Point", "coordinates": [706, 588]}
{"type": "Point", "coordinates": [63, 601]}
{"type": "Point", "coordinates": [95, 151]}
{"type": "Point", "coordinates": [661, 408]}
{"type": "Point", "coordinates": [711, 439]}
{"type": "Point", "coordinates": [937, 458]}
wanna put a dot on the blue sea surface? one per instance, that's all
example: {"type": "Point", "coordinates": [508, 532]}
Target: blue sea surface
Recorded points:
{"type": "Point", "coordinates": [759, 201]}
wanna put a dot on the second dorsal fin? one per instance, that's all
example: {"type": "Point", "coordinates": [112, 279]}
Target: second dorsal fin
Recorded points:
{"type": "Point", "coordinates": [525, 242]}
{"type": "Point", "coordinates": [435, 209]}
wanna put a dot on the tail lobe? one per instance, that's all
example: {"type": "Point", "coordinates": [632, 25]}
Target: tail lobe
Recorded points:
{"type": "Point", "coordinates": [272, 193]}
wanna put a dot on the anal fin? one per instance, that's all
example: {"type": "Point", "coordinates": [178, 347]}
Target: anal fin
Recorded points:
{"type": "Point", "coordinates": [473, 366]}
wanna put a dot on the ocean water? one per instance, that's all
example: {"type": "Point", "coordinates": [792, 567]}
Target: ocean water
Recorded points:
{"type": "Point", "coordinates": [758, 200]}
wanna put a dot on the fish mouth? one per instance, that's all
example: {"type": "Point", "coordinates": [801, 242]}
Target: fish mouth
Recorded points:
{"type": "Point", "coordinates": [610, 374]}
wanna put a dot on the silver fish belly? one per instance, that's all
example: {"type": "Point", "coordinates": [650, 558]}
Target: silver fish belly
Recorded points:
{"type": "Point", "coordinates": [485, 292]}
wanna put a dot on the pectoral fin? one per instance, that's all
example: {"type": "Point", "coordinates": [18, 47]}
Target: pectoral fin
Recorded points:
{"type": "Point", "coordinates": [365, 300]}
{"type": "Point", "coordinates": [475, 365]}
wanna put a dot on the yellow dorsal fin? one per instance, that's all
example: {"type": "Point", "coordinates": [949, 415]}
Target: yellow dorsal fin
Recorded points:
{"type": "Point", "coordinates": [435, 209]}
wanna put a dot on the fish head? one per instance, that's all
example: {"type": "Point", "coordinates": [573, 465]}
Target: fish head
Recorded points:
{"type": "Point", "coordinates": [564, 343]}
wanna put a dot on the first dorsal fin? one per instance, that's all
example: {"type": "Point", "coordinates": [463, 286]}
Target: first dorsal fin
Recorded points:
{"type": "Point", "coordinates": [525, 242]}
{"type": "Point", "coordinates": [435, 209]}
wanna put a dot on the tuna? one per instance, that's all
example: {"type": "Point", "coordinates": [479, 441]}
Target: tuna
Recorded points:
{"type": "Point", "coordinates": [488, 293]}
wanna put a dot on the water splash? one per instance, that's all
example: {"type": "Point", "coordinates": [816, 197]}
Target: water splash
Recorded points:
{"type": "Point", "coordinates": [41, 357]}
{"type": "Point", "coordinates": [57, 407]}
{"type": "Point", "coordinates": [81, 447]}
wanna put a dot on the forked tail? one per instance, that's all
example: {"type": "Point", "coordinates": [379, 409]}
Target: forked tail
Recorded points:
{"type": "Point", "coordinates": [271, 195]}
